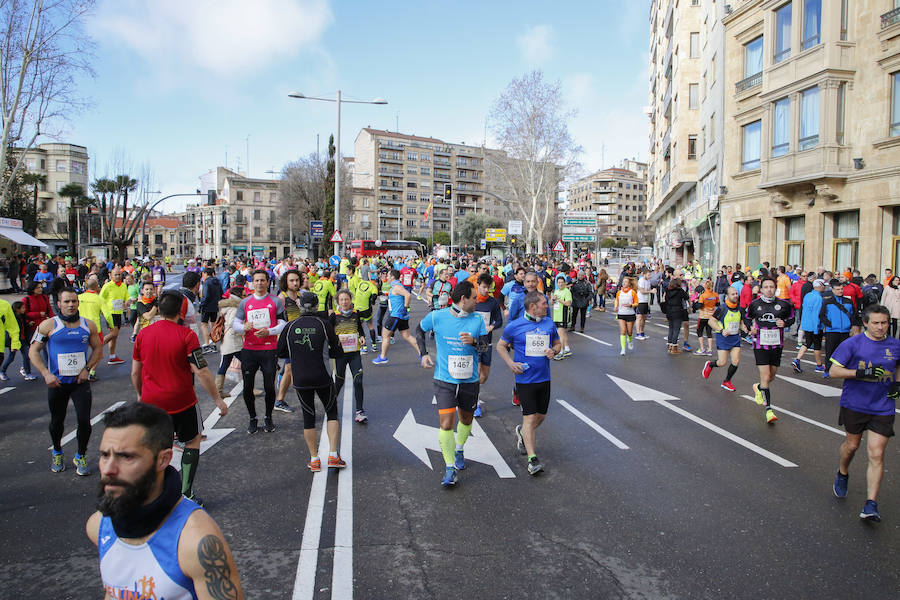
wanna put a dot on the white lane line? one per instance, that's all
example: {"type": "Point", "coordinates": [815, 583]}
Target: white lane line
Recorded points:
{"type": "Point", "coordinates": [590, 423]}
{"type": "Point", "coordinates": [591, 338]}
{"type": "Point", "coordinates": [210, 421]}
{"type": "Point", "coordinates": [305, 579]}
{"type": "Point", "coordinates": [342, 568]}
{"type": "Point", "coordinates": [6, 389]}
{"type": "Point", "coordinates": [71, 436]}
{"type": "Point", "coordinates": [801, 417]}
{"type": "Point", "coordinates": [820, 389]}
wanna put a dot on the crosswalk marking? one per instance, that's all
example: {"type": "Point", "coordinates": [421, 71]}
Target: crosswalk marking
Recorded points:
{"type": "Point", "coordinates": [6, 389]}
{"type": "Point", "coordinates": [592, 338]}
{"type": "Point", "coordinates": [71, 436]}
{"type": "Point", "coordinates": [822, 390]}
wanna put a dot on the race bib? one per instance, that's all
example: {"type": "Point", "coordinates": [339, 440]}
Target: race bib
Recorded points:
{"type": "Point", "coordinates": [536, 344]}
{"type": "Point", "coordinates": [349, 342]}
{"type": "Point", "coordinates": [259, 318]}
{"type": "Point", "coordinates": [769, 337]}
{"type": "Point", "coordinates": [117, 305]}
{"type": "Point", "coordinates": [460, 366]}
{"type": "Point", "coordinates": [70, 363]}
{"type": "Point", "coordinates": [407, 279]}
{"type": "Point", "coordinates": [486, 316]}
{"type": "Point", "coordinates": [157, 278]}
{"type": "Point", "coordinates": [70, 276]}
{"type": "Point", "coordinates": [732, 328]}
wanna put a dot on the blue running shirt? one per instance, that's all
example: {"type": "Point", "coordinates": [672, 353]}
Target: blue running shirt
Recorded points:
{"type": "Point", "coordinates": [861, 352]}
{"type": "Point", "coordinates": [529, 340]}
{"type": "Point", "coordinates": [455, 362]}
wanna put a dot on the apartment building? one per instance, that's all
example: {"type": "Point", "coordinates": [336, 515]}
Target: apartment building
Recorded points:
{"type": "Point", "coordinates": [812, 151]}
{"type": "Point", "coordinates": [676, 43]}
{"type": "Point", "coordinates": [61, 164]}
{"type": "Point", "coordinates": [160, 240]}
{"type": "Point", "coordinates": [619, 197]}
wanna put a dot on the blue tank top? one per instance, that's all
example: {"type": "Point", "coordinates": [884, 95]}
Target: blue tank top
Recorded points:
{"type": "Point", "coordinates": [68, 349]}
{"type": "Point", "coordinates": [397, 303]}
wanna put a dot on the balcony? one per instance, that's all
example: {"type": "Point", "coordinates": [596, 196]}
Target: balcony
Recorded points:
{"type": "Point", "coordinates": [442, 176]}
{"type": "Point", "coordinates": [391, 145]}
{"type": "Point", "coordinates": [664, 184]}
{"type": "Point", "coordinates": [667, 21]}
{"type": "Point", "coordinates": [668, 58]}
{"type": "Point", "coordinates": [667, 101]}
{"type": "Point", "coordinates": [443, 163]}
{"type": "Point", "coordinates": [441, 217]}
{"type": "Point", "coordinates": [391, 187]}
{"type": "Point", "coordinates": [666, 141]}
{"type": "Point", "coordinates": [390, 172]}
{"type": "Point", "coordinates": [388, 158]}
{"type": "Point", "coordinates": [442, 152]}
{"type": "Point", "coordinates": [605, 190]}
{"type": "Point", "coordinates": [748, 83]}
{"type": "Point", "coordinates": [366, 224]}
{"type": "Point", "coordinates": [390, 200]}
{"type": "Point", "coordinates": [468, 177]}
{"type": "Point", "coordinates": [889, 18]}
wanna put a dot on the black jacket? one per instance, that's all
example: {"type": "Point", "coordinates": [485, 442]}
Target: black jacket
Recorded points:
{"type": "Point", "coordinates": [675, 299]}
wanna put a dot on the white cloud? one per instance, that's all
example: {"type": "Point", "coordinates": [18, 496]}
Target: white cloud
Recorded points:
{"type": "Point", "coordinates": [536, 44]}
{"type": "Point", "coordinates": [222, 37]}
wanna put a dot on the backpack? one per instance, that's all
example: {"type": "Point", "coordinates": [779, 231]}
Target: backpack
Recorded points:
{"type": "Point", "coordinates": [218, 330]}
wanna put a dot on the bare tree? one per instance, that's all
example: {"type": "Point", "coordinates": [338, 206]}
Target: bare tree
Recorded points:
{"type": "Point", "coordinates": [530, 126]}
{"type": "Point", "coordinates": [123, 201]}
{"type": "Point", "coordinates": [42, 52]}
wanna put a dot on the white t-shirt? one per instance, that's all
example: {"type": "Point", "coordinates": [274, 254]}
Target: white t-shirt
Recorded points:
{"type": "Point", "coordinates": [643, 290]}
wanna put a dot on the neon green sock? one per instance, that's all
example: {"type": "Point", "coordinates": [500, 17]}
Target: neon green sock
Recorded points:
{"type": "Point", "coordinates": [462, 434]}
{"type": "Point", "coordinates": [530, 456]}
{"type": "Point", "coordinates": [622, 340]}
{"type": "Point", "coordinates": [445, 436]}
{"type": "Point", "coordinates": [630, 337]}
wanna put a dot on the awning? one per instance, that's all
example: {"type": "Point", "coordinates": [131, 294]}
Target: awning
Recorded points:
{"type": "Point", "coordinates": [20, 237]}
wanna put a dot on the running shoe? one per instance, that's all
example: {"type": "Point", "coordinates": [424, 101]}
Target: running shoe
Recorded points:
{"type": "Point", "coordinates": [520, 443]}
{"type": "Point", "coordinates": [115, 360]}
{"type": "Point", "coordinates": [478, 411]}
{"type": "Point", "coordinates": [380, 361]}
{"type": "Point", "coordinates": [450, 477]}
{"type": "Point", "coordinates": [336, 462]}
{"type": "Point", "coordinates": [707, 369]}
{"type": "Point", "coordinates": [459, 460]}
{"type": "Point", "coordinates": [315, 465]}
{"type": "Point", "coordinates": [820, 368]}
{"type": "Point", "coordinates": [709, 353]}
{"type": "Point", "coordinates": [726, 385]}
{"type": "Point", "coordinates": [283, 406]}
{"type": "Point", "coordinates": [870, 512]}
{"type": "Point", "coordinates": [378, 339]}
{"type": "Point", "coordinates": [687, 347]}
{"type": "Point", "coordinates": [749, 339]}
{"type": "Point", "coordinates": [26, 376]}
{"type": "Point", "coordinates": [268, 425]}
{"type": "Point", "coordinates": [631, 345]}
{"type": "Point", "coordinates": [622, 353]}
{"type": "Point", "coordinates": [770, 416]}
{"type": "Point", "coordinates": [840, 485]}
{"type": "Point", "coordinates": [566, 353]}
{"type": "Point", "coordinates": [796, 364]}
{"type": "Point", "coordinates": [361, 417]}
{"type": "Point", "coordinates": [534, 466]}
{"type": "Point", "coordinates": [81, 466]}
{"type": "Point", "coordinates": [253, 427]}
{"type": "Point", "coordinates": [195, 499]}
{"type": "Point", "coordinates": [699, 352]}
{"type": "Point", "coordinates": [825, 375]}
{"type": "Point", "coordinates": [363, 350]}
{"type": "Point", "coordinates": [515, 399]}
{"type": "Point", "coordinates": [57, 462]}
{"type": "Point", "coordinates": [562, 355]}
{"type": "Point", "coordinates": [4, 377]}
{"type": "Point", "coordinates": [758, 395]}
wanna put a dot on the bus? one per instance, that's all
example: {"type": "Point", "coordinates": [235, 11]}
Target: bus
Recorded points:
{"type": "Point", "coordinates": [386, 248]}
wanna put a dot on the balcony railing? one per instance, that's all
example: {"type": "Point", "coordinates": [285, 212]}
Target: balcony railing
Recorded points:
{"type": "Point", "coordinates": [890, 18]}
{"type": "Point", "coordinates": [664, 183]}
{"type": "Point", "coordinates": [748, 82]}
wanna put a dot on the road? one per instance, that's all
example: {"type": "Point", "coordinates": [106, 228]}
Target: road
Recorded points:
{"type": "Point", "coordinates": [658, 484]}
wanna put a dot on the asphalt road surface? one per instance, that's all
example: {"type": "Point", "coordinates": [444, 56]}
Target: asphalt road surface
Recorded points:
{"type": "Point", "coordinates": [658, 484]}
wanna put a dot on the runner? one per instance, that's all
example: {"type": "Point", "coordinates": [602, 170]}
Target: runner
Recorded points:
{"type": "Point", "coordinates": [304, 342]}
{"type": "Point", "coordinates": [868, 401]}
{"type": "Point", "coordinates": [165, 359]}
{"type": "Point", "coordinates": [67, 338]}
{"type": "Point", "coordinates": [153, 542]}
{"type": "Point", "coordinates": [440, 291]}
{"type": "Point", "coordinates": [260, 317]}
{"type": "Point", "coordinates": [811, 326]}
{"type": "Point", "coordinates": [398, 303]}
{"type": "Point", "coordinates": [535, 340]}
{"type": "Point", "coordinates": [707, 303]}
{"type": "Point", "coordinates": [460, 335]}
{"type": "Point", "coordinates": [626, 300]}
{"type": "Point", "coordinates": [324, 289]}
{"type": "Point", "coordinates": [490, 312]}
{"type": "Point", "coordinates": [289, 284]}
{"type": "Point", "coordinates": [363, 302]}
{"type": "Point", "coordinates": [348, 327]}
{"type": "Point", "coordinates": [766, 319]}
{"type": "Point", "coordinates": [562, 301]}
{"type": "Point", "coordinates": [642, 311]}
{"type": "Point", "coordinates": [145, 309]}
{"type": "Point", "coordinates": [113, 294]}
{"type": "Point", "coordinates": [727, 321]}
{"type": "Point", "coordinates": [514, 291]}
{"type": "Point", "coordinates": [159, 276]}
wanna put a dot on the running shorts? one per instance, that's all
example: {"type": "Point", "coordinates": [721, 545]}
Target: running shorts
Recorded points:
{"type": "Point", "coordinates": [626, 318]}
{"type": "Point", "coordinates": [116, 319]}
{"type": "Point", "coordinates": [856, 422]}
{"type": "Point", "coordinates": [484, 358]}
{"type": "Point", "coordinates": [451, 396]}
{"type": "Point", "coordinates": [395, 324]}
{"type": "Point", "coordinates": [209, 317]}
{"type": "Point", "coordinates": [770, 356]}
{"type": "Point", "coordinates": [534, 397]}
{"type": "Point", "coordinates": [643, 308]}
{"type": "Point", "coordinates": [188, 423]}
{"type": "Point", "coordinates": [813, 341]}
{"type": "Point", "coordinates": [703, 327]}
{"type": "Point", "coordinates": [727, 342]}
{"type": "Point", "coordinates": [365, 315]}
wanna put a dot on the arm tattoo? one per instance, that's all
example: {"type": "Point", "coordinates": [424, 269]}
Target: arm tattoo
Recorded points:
{"type": "Point", "coordinates": [216, 572]}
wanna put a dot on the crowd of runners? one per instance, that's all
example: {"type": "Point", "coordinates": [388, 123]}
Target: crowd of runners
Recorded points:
{"type": "Point", "coordinates": [281, 318]}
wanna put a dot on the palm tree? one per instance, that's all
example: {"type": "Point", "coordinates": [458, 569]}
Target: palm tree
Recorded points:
{"type": "Point", "coordinates": [75, 193]}
{"type": "Point", "coordinates": [35, 180]}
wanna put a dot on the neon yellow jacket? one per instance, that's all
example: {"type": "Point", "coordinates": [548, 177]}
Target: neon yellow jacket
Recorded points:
{"type": "Point", "coordinates": [89, 306]}
{"type": "Point", "coordinates": [111, 292]}
{"type": "Point", "coordinates": [9, 324]}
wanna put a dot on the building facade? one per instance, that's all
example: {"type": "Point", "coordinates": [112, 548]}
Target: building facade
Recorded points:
{"type": "Point", "coordinates": [160, 240]}
{"type": "Point", "coordinates": [812, 153]}
{"type": "Point", "coordinates": [619, 197]}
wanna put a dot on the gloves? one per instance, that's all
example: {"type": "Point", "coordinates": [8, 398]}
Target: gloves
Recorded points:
{"type": "Point", "coordinates": [870, 374]}
{"type": "Point", "coordinates": [894, 391]}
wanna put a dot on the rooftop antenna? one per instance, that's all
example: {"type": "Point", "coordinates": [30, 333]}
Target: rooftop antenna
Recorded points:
{"type": "Point", "coordinates": [397, 117]}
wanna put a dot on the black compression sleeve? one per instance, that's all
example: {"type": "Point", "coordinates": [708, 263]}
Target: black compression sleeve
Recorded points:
{"type": "Point", "coordinates": [420, 340]}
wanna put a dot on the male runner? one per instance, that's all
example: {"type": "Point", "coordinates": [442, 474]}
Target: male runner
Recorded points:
{"type": "Point", "coordinates": [153, 542]}
{"type": "Point", "coordinates": [766, 319]}
{"type": "Point", "coordinates": [113, 295]}
{"type": "Point", "coordinates": [811, 326]}
{"type": "Point", "coordinates": [260, 317]}
{"type": "Point", "coordinates": [324, 289]}
{"type": "Point", "coordinates": [289, 284]}
{"type": "Point", "coordinates": [398, 305]}
{"type": "Point", "coordinates": [440, 291]}
{"type": "Point", "coordinates": [459, 336]}
{"type": "Point", "coordinates": [535, 341]}
{"type": "Point", "coordinates": [868, 363]}
{"type": "Point", "coordinates": [727, 322]}
{"type": "Point", "coordinates": [165, 358]}
{"type": "Point", "coordinates": [562, 303]}
{"type": "Point", "coordinates": [642, 310]}
{"type": "Point", "coordinates": [364, 297]}
{"type": "Point", "coordinates": [490, 312]}
{"type": "Point", "coordinates": [67, 337]}
{"type": "Point", "coordinates": [515, 294]}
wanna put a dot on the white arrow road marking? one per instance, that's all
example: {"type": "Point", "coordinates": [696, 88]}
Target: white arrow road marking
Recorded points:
{"type": "Point", "coordinates": [591, 338]}
{"type": "Point", "coordinates": [638, 392]}
{"type": "Point", "coordinates": [590, 423]}
{"type": "Point", "coordinates": [801, 417]}
{"type": "Point", "coordinates": [434, 399]}
{"type": "Point", "coordinates": [71, 436]}
{"type": "Point", "coordinates": [822, 390]}
{"type": "Point", "coordinates": [213, 436]}
{"type": "Point", "coordinates": [6, 389]}
{"type": "Point", "coordinates": [419, 438]}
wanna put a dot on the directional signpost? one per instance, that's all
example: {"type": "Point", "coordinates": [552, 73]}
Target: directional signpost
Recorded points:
{"type": "Point", "coordinates": [514, 228]}
{"type": "Point", "coordinates": [495, 235]}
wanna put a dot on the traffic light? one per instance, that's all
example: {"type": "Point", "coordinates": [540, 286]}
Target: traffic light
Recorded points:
{"type": "Point", "coordinates": [512, 240]}
{"type": "Point", "coordinates": [448, 189]}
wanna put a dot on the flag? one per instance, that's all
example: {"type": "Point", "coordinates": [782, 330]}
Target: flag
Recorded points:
{"type": "Point", "coordinates": [428, 210]}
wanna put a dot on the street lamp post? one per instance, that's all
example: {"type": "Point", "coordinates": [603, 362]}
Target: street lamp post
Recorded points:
{"type": "Point", "coordinates": [337, 163]}
{"type": "Point", "coordinates": [149, 210]}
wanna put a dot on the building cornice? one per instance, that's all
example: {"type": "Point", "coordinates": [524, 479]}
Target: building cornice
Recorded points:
{"type": "Point", "coordinates": [742, 10]}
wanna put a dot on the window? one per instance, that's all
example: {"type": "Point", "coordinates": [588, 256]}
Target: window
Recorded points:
{"type": "Point", "coordinates": [412, 210]}
{"type": "Point", "coordinates": [352, 218]}
{"type": "Point", "coordinates": [692, 147]}
{"type": "Point", "coordinates": [78, 167]}
{"type": "Point", "coordinates": [695, 44]}
{"type": "Point", "coordinates": [846, 239]}
{"type": "Point", "coordinates": [257, 197]}
{"type": "Point", "coordinates": [752, 234]}
{"type": "Point", "coordinates": [895, 105]}
{"type": "Point", "coordinates": [240, 196]}
{"type": "Point", "coordinates": [59, 186]}
{"type": "Point", "coordinates": [412, 156]}
{"type": "Point", "coordinates": [783, 33]}
{"type": "Point", "coordinates": [812, 23]}
{"type": "Point", "coordinates": [365, 203]}
{"type": "Point", "coordinates": [272, 197]}
{"type": "Point", "coordinates": [794, 236]}
{"type": "Point", "coordinates": [412, 170]}
{"type": "Point", "coordinates": [240, 215]}
{"type": "Point", "coordinates": [753, 57]}
{"type": "Point", "coordinates": [841, 99]}
{"type": "Point", "coordinates": [425, 170]}
{"type": "Point", "coordinates": [256, 232]}
{"type": "Point", "coordinates": [257, 214]}
{"type": "Point", "coordinates": [410, 184]}
{"type": "Point", "coordinates": [61, 166]}
{"type": "Point", "coordinates": [781, 127]}
{"type": "Point", "coordinates": [712, 129]}
{"type": "Point", "coordinates": [809, 119]}
{"type": "Point", "coordinates": [693, 96]}
{"type": "Point", "coordinates": [30, 164]}
{"type": "Point", "coordinates": [750, 148]}
{"type": "Point", "coordinates": [410, 223]}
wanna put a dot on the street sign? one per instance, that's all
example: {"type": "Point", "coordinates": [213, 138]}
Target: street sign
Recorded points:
{"type": "Point", "coordinates": [585, 222]}
{"type": "Point", "coordinates": [336, 237]}
{"type": "Point", "coordinates": [591, 230]}
{"type": "Point", "coordinates": [483, 243]}
{"type": "Point", "coordinates": [578, 238]}
{"type": "Point", "coordinates": [495, 235]}
{"type": "Point", "coordinates": [559, 246]}
{"type": "Point", "coordinates": [317, 229]}
{"type": "Point", "coordinates": [335, 260]}
{"type": "Point", "coordinates": [575, 214]}
{"type": "Point", "coordinates": [514, 228]}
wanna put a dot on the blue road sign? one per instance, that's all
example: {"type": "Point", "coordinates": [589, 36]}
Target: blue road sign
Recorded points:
{"type": "Point", "coordinates": [317, 229]}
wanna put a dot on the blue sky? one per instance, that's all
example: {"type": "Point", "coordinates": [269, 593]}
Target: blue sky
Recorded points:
{"type": "Point", "coordinates": [179, 84]}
